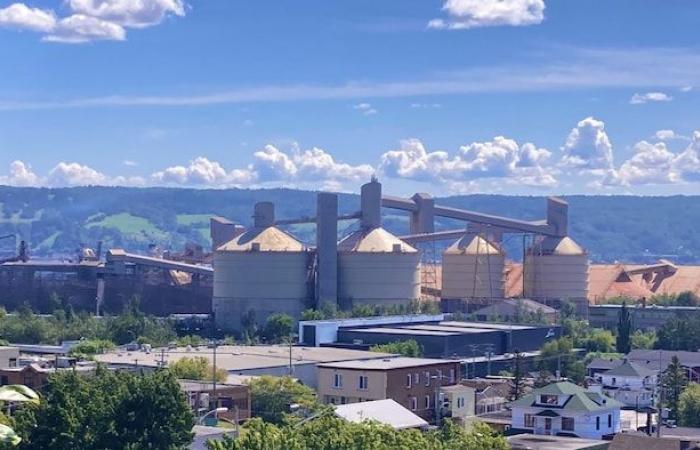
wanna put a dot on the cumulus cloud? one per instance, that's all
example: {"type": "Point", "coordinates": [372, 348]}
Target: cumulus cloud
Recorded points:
{"type": "Point", "coordinates": [464, 14]}
{"type": "Point", "coordinates": [365, 108]}
{"type": "Point", "coordinates": [21, 17]}
{"type": "Point", "coordinates": [129, 13]}
{"type": "Point", "coordinates": [588, 147]}
{"type": "Point", "coordinates": [75, 174]}
{"type": "Point", "coordinates": [688, 162]}
{"type": "Point", "coordinates": [686, 88]}
{"type": "Point", "coordinates": [90, 20]}
{"type": "Point", "coordinates": [499, 158]}
{"type": "Point", "coordinates": [640, 99]}
{"type": "Point", "coordinates": [202, 172]}
{"type": "Point", "coordinates": [21, 174]}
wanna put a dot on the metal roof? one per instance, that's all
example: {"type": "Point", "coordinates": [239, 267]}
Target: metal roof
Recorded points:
{"type": "Point", "coordinates": [385, 363]}
{"type": "Point", "coordinates": [386, 412]}
{"type": "Point", "coordinates": [473, 245]}
{"type": "Point", "coordinates": [270, 239]}
{"type": "Point", "coordinates": [376, 240]}
{"type": "Point", "coordinates": [580, 400]}
{"type": "Point", "coordinates": [630, 369]}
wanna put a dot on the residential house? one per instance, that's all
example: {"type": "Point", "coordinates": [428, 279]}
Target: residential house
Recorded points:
{"type": "Point", "coordinates": [8, 356]}
{"type": "Point", "coordinates": [566, 409]}
{"type": "Point", "coordinates": [414, 383]}
{"type": "Point", "coordinates": [629, 383]}
{"type": "Point", "coordinates": [459, 401]}
{"type": "Point", "coordinates": [203, 396]}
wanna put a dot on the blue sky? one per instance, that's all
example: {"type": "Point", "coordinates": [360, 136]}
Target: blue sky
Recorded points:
{"type": "Point", "coordinates": [451, 96]}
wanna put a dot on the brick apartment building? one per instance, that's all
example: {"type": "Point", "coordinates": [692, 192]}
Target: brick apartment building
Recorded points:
{"type": "Point", "coordinates": [411, 382]}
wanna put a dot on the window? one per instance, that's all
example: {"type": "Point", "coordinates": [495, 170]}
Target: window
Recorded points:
{"type": "Point", "coordinates": [414, 404]}
{"type": "Point", "coordinates": [337, 381]}
{"type": "Point", "coordinates": [597, 423]}
{"type": "Point", "coordinates": [408, 380]}
{"type": "Point", "coordinates": [452, 375]}
{"type": "Point", "coordinates": [427, 402]}
{"type": "Point", "coordinates": [427, 378]}
{"type": "Point", "coordinates": [567, 424]}
{"type": "Point", "coordinates": [343, 400]}
{"type": "Point", "coordinates": [363, 382]}
{"type": "Point", "coordinates": [416, 378]}
{"type": "Point", "coordinates": [609, 420]}
{"type": "Point", "coordinates": [614, 381]}
{"type": "Point", "coordinates": [529, 421]}
{"type": "Point", "coordinates": [549, 399]}
{"type": "Point", "coordinates": [4, 380]}
{"type": "Point", "coordinates": [460, 402]}
{"type": "Point", "coordinates": [439, 376]}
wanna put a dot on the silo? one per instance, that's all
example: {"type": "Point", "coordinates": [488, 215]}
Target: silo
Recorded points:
{"type": "Point", "coordinates": [556, 268]}
{"type": "Point", "coordinates": [264, 270]}
{"type": "Point", "coordinates": [473, 267]}
{"type": "Point", "coordinates": [375, 267]}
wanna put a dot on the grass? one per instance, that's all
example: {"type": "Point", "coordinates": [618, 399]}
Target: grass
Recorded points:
{"type": "Point", "coordinates": [128, 224]}
{"type": "Point", "coordinates": [17, 219]}
{"type": "Point", "coordinates": [194, 219]}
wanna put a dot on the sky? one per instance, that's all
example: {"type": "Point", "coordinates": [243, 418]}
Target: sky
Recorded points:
{"type": "Point", "coordinates": [532, 97]}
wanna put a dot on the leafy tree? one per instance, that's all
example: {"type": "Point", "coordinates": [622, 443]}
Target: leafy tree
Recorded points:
{"type": "Point", "coordinates": [599, 340]}
{"type": "Point", "coordinates": [518, 387]}
{"type": "Point", "coordinates": [410, 348]}
{"type": "Point", "coordinates": [327, 432]}
{"type": "Point", "coordinates": [278, 327]}
{"type": "Point", "coordinates": [312, 314]}
{"type": "Point", "coordinates": [679, 333]}
{"type": "Point", "coordinates": [556, 356]}
{"type": "Point", "coordinates": [673, 381]}
{"type": "Point", "coordinates": [271, 397]}
{"type": "Point", "coordinates": [643, 340]}
{"type": "Point", "coordinates": [91, 347]}
{"type": "Point", "coordinates": [197, 368]}
{"type": "Point", "coordinates": [689, 406]}
{"type": "Point", "coordinates": [624, 330]}
{"type": "Point", "coordinates": [115, 410]}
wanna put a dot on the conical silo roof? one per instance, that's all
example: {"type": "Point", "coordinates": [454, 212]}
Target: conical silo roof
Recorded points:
{"type": "Point", "coordinates": [376, 240]}
{"type": "Point", "coordinates": [269, 239]}
{"type": "Point", "coordinates": [470, 244]}
{"type": "Point", "coordinates": [564, 246]}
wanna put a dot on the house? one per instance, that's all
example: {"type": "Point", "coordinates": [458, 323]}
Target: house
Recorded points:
{"type": "Point", "coordinates": [385, 411]}
{"type": "Point", "coordinates": [414, 383]}
{"type": "Point", "coordinates": [234, 397]}
{"type": "Point", "coordinates": [629, 383]}
{"type": "Point", "coordinates": [530, 442]}
{"type": "Point", "coordinates": [656, 360]}
{"type": "Point", "coordinates": [459, 401]}
{"type": "Point", "coordinates": [636, 441]}
{"type": "Point", "coordinates": [492, 394]}
{"type": "Point", "coordinates": [8, 356]}
{"type": "Point", "coordinates": [564, 408]}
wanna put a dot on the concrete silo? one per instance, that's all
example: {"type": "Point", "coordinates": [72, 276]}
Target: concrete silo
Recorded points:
{"type": "Point", "coordinates": [374, 266]}
{"type": "Point", "coordinates": [264, 270]}
{"type": "Point", "coordinates": [473, 267]}
{"type": "Point", "coordinates": [556, 268]}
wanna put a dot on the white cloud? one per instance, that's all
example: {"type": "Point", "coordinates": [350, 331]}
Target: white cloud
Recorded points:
{"type": "Point", "coordinates": [464, 14]}
{"type": "Point", "coordinates": [651, 164]}
{"type": "Point", "coordinates": [426, 105]}
{"type": "Point", "coordinates": [365, 108]}
{"type": "Point", "coordinates": [21, 174]}
{"type": "Point", "coordinates": [316, 164]}
{"type": "Point", "coordinates": [21, 17]}
{"type": "Point", "coordinates": [130, 163]}
{"type": "Point", "coordinates": [588, 147]}
{"type": "Point", "coordinates": [271, 164]}
{"type": "Point", "coordinates": [688, 162]}
{"type": "Point", "coordinates": [686, 88]}
{"type": "Point", "coordinates": [90, 20]}
{"type": "Point", "coordinates": [129, 13]}
{"type": "Point", "coordinates": [640, 99]}
{"type": "Point", "coordinates": [499, 158]}
{"type": "Point", "coordinates": [203, 172]}
{"type": "Point", "coordinates": [665, 135]}
{"type": "Point", "coordinates": [78, 29]}
{"type": "Point", "coordinates": [74, 174]}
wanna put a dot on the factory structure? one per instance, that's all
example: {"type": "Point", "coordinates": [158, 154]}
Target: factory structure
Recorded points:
{"type": "Point", "coordinates": [266, 270]}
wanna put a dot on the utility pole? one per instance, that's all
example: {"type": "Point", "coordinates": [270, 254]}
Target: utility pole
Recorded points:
{"type": "Point", "coordinates": [216, 400]}
{"type": "Point", "coordinates": [291, 368]}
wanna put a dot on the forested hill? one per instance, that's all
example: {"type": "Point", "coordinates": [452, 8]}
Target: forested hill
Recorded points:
{"type": "Point", "coordinates": [56, 221]}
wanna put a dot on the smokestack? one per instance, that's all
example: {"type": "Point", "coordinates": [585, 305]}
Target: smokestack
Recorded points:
{"type": "Point", "coordinates": [371, 204]}
{"type": "Point", "coordinates": [327, 249]}
{"type": "Point", "coordinates": [264, 214]}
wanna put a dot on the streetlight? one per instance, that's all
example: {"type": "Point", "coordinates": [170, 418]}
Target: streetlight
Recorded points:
{"type": "Point", "coordinates": [213, 411]}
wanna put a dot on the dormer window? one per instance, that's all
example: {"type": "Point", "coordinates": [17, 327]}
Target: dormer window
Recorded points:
{"type": "Point", "coordinates": [549, 399]}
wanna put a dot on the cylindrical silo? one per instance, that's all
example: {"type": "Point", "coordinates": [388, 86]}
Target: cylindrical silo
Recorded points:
{"type": "Point", "coordinates": [556, 268]}
{"type": "Point", "coordinates": [473, 267]}
{"type": "Point", "coordinates": [264, 270]}
{"type": "Point", "coordinates": [375, 267]}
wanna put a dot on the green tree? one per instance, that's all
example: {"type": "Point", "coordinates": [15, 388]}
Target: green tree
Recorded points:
{"type": "Point", "coordinates": [271, 397]}
{"type": "Point", "coordinates": [91, 347]}
{"type": "Point", "coordinates": [556, 356]}
{"type": "Point", "coordinates": [673, 381]}
{"type": "Point", "coordinates": [518, 387]}
{"type": "Point", "coordinates": [108, 410]}
{"type": "Point", "coordinates": [624, 330]}
{"type": "Point", "coordinates": [278, 327]}
{"type": "Point", "coordinates": [643, 340]}
{"type": "Point", "coordinates": [679, 333]}
{"type": "Point", "coordinates": [601, 341]}
{"type": "Point", "coordinates": [689, 406]}
{"type": "Point", "coordinates": [410, 348]}
{"type": "Point", "coordinates": [196, 368]}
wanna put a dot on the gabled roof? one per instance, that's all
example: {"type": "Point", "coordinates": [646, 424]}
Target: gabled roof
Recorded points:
{"type": "Point", "coordinates": [580, 400]}
{"type": "Point", "coordinates": [603, 364]}
{"type": "Point", "coordinates": [630, 369]}
{"type": "Point", "coordinates": [383, 411]}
